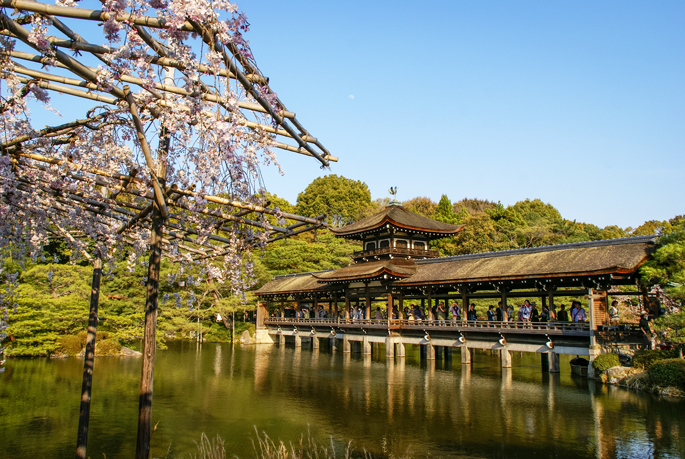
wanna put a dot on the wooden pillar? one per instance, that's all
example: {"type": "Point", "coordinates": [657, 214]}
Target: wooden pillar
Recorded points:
{"type": "Point", "coordinates": [550, 295]}
{"type": "Point", "coordinates": [347, 308]}
{"type": "Point", "coordinates": [505, 315]}
{"type": "Point", "coordinates": [448, 353]}
{"type": "Point", "coordinates": [149, 337]}
{"type": "Point", "coordinates": [89, 359]}
{"type": "Point", "coordinates": [430, 299]}
{"type": "Point", "coordinates": [591, 316]}
{"type": "Point", "coordinates": [400, 307]}
{"type": "Point", "coordinates": [464, 306]}
{"type": "Point", "coordinates": [315, 304]}
{"type": "Point", "coordinates": [368, 301]}
{"type": "Point", "coordinates": [282, 309]}
{"type": "Point", "coordinates": [262, 313]}
{"type": "Point", "coordinates": [543, 299]}
{"type": "Point", "coordinates": [390, 305]}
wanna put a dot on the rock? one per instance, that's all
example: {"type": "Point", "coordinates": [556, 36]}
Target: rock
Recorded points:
{"type": "Point", "coordinates": [129, 352]}
{"type": "Point", "coordinates": [245, 338]}
{"type": "Point", "coordinates": [618, 373]}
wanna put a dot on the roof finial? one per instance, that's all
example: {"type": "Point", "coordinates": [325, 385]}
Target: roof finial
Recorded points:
{"type": "Point", "coordinates": [393, 192]}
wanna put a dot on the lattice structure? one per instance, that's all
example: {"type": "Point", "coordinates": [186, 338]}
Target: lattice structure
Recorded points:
{"type": "Point", "coordinates": [223, 89]}
{"type": "Point", "coordinates": [168, 156]}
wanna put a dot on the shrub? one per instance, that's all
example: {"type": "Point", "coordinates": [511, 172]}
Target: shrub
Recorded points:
{"type": "Point", "coordinates": [669, 372]}
{"type": "Point", "coordinates": [108, 347]}
{"type": "Point", "coordinates": [69, 345]}
{"type": "Point", "coordinates": [99, 336]}
{"type": "Point", "coordinates": [645, 359]}
{"type": "Point", "coordinates": [605, 361]}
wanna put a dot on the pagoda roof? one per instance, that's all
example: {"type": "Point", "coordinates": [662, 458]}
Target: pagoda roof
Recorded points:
{"type": "Point", "coordinates": [395, 268]}
{"type": "Point", "coordinates": [399, 217]}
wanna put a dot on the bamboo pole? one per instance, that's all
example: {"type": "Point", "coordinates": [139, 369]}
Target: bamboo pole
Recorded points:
{"type": "Point", "coordinates": [89, 359]}
{"type": "Point", "coordinates": [91, 15]}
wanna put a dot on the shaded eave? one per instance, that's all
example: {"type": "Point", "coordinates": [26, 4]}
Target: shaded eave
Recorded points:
{"type": "Point", "coordinates": [376, 270]}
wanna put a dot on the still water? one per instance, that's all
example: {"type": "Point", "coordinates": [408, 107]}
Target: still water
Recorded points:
{"type": "Point", "coordinates": [400, 408]}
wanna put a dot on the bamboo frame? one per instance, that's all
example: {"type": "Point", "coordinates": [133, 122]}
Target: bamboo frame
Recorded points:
{"type": "Point", "coordinates": [126, 199]}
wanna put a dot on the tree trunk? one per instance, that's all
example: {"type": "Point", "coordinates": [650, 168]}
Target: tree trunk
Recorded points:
{"type": "Point", "coordinates": [149, 341]}
{"type": "Point", "coordinates": [89, 358]}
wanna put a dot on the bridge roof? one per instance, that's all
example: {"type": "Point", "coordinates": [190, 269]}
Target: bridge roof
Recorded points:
{"type": "Point", "coordinates": [393, 269]}
{"type": "Point", "coordinates": [614, 256]}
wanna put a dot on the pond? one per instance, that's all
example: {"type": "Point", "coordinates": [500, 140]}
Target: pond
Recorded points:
{"type": "Point", "coordinates": [391, 408]}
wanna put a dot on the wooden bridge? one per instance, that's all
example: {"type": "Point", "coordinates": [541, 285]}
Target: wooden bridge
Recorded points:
{"type": "Point", "coordinates": [438, 338]}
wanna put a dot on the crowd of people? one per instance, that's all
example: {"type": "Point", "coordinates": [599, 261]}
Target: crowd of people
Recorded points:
{"type": "Point", "coordinates": [527, 312]}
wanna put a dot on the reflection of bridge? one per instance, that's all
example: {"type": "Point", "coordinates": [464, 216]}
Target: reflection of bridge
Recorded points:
{"type": "Point", "coordinates": [438, 338]}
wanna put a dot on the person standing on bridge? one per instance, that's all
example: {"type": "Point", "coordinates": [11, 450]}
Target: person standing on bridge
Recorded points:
{"type": "Point", "coordinates": [613, 313]}
{"type": "Point", "coordinates": [525, 311]}
{"type": "Point", "coordinates": [379, 314]}
{"type": "Point", "coordinates": [441, 313]}
{"type": "Point", "coordinates": [563, 314]}
{"type": "Point", "coordinates": [578, 313]}
{"type": "Point", "coordinates": [454, 310]}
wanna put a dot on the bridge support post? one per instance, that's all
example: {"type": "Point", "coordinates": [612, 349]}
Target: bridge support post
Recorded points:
{"type": "Point", "coordinates": [438, 352]}
{"type": "Point", "coordinates": [465, 355]}
{"type": "Point", "coordinates": [389, 347]}
{"type": "Point", "coordinates": [544, 361]}
{"type": "Point", "coordinates": [366, 346]}
{"type": "Point", "coordinates": [298, 341]}
{"type": "Point", "coordinates": [315, 342]}
{"type": "Point", "coordinates": [430, 352]}
{"type": "Point", "coordinates": [400, 351]}
{"type": "Point", "coordinates": [346, 344]}
{"type": "Point", "coordinates": [505, 358]}
{"type": "Point", "coordinates": [595, 350]}
{"type": "Point", "coordinates": [281, 339]}
{"type": "Point", "coordinates": [334, 346]}
{"type": "Point", "coordinates": [553, 362]}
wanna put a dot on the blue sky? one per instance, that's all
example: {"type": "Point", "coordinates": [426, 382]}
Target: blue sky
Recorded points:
{"type": "Point", "coordinates": [579, 104]}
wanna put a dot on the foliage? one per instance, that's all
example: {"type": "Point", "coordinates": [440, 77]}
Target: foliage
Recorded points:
{"type": "Point", "coordinates": [107, 347]}
{"type": "Point", "coordinates": [645, 359]}
{"type": "Point", "coordinates": [342, 200]}
{"type": "Point", "coordinates": [605, 361]}
{"type": "Point", "coordinates": [670, 372]}
{"type": "Point", "coordinates": [421, 205]}
{"type": "Point", "coordinates": [667, 268]}
{"type": "Point", "coordinates": [69, 345]}
{"type": "Point", "coordinates": [672, 326]}
{"type": "Point", "coordinates": [298, 255]}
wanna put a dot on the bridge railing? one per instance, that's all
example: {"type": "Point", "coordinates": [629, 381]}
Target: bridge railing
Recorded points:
{"type": "Point", "coordinates": [481, 325]}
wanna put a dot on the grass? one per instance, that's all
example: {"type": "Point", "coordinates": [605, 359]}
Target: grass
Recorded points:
{"type": "Point", "coordinates": [266, 448]}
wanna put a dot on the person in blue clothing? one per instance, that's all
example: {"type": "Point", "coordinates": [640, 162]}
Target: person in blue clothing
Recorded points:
{"type": "Point", "coordinates": [491, 313]}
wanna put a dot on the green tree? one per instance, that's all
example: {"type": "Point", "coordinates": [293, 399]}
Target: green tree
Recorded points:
{"type": "Point", "coordinates": [421, 205]}
{"type": "Point", "coordinates": [444, 212]}
{"type": "Point", "coordinates": [342, 200]}
{"type": "Point", "coordinates": [667, 267]}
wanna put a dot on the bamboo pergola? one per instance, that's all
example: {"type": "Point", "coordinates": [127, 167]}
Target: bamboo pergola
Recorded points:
{"type": "Point", "coordinates": [119, 175]}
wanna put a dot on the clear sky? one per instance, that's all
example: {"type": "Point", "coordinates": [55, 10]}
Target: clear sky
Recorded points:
{"type": "Point", "coordinates": [580, 104]}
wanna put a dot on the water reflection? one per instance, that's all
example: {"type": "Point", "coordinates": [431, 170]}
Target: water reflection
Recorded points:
{"type": "Point", "coordinates": [386, 406]}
